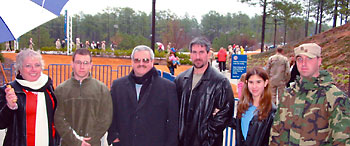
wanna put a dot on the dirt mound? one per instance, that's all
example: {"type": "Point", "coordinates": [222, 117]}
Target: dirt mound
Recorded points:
{"type": "Point", "coordinates": [335, 45]}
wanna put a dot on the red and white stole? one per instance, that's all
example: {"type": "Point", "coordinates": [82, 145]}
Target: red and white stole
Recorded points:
{"type": "Point", "coordinates": [37, 122]}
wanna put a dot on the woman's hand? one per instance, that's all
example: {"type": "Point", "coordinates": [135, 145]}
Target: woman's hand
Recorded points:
{"type": "Point", "coordinates": [11, 97]}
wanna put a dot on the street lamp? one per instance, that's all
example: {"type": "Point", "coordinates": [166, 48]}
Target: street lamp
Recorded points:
{"type": "Point", "coordinates": [153, 23]}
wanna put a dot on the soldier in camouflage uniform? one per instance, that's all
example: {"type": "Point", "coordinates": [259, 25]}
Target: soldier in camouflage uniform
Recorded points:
{"type": "Point", "coordinates": [313, 111]}
{"type": "Point", "coordinates": [279, 73]}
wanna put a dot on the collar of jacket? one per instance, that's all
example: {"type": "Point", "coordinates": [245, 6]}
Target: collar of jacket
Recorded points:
{"type": "Point", "coordinates": [86, 79]}
{"type": "Point", "coordinates": [145, 78]}
{"type": "Point", "coordinates": [323, 80]}
{"type": "Point", "coordinates": [206, 75]}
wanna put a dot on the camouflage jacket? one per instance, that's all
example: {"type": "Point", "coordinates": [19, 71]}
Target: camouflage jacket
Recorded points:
{"type": "Point", "coordinates": [278, 70]}
{"type": "Point", "coordinates": [312, 113]}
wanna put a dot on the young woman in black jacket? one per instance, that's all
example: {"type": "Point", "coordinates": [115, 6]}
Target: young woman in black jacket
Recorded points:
{"type": "Point", "coordinates": [255, 110]}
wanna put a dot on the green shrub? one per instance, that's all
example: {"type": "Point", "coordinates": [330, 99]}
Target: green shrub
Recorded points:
{"type": "Point", "coordinates": [186, 61]}
{"type": "Point", "coordinates": [345, 69]}
{"type": "Point", "coordinates": [339, 80]}
{"type": "Point", "coordinates": [339, 75]}
{"type": "Point", "coordinates": [180, 55]}
{"type": "Point", "coordinates": [161, 54]}
{"type": "Point", "coordinates": [336, 68]}
{"type": "Point", "coordinates": [330, 67]}
{"type": "Point", "coordinates": [345, 81]}
{"type": "Point", "coordinates": [123, 52]}
{"type": "Point", "coordinates": [346, 76]}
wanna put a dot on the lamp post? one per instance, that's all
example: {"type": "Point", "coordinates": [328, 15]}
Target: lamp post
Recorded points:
{"type": "Point", "coordinates": [153, 23]}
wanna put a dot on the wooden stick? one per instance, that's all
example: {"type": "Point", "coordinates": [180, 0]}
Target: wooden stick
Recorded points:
{"type": "Point", "coordinates": [8, 86]}
{"type": "Point", "coordinates": [3, 73]}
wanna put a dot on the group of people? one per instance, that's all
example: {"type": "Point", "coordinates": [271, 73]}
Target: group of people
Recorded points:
{"type": "Point", "coordinates": [101, 46]}
{"type": "Point", "coordinates": [144, 109]}
{"type": "Point", "coordinates": [60, 44]}
{"type": "Point", "coordinates": [224, 56]}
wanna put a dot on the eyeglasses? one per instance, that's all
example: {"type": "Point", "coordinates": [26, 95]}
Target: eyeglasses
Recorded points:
{"type": "Point", "coordinates": [144, 60]}
{"type": "Point", "coordinates": [85, 63]}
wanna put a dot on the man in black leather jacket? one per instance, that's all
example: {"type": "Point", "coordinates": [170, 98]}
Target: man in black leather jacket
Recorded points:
{"type": "Point", "coordinates": [206, 100]}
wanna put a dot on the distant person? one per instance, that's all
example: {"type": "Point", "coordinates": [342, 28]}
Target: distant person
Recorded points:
{"type": "Point", "coordinates": [229, 57]}
{"type": "Point", "coordinates": [63, 44]}
{"type": "Point", "coordinates": [240, 85]}
{"type": "Point", "coordinates": [222, 59]}
{"type": "Point", "coordinates": [87, 44]}
{"type": "Point", "coordinates": [313, 111]}
{"type": "Point", "coordinates": [103, 45]}
{"type": "Point", "coordinates": [242, 50]}
{"type": "Point", "coordinates": [255, 110]}
{"type": "Point", "coordinates": [98, 45]}
{"type": "Point", "coordinates": [58, 44]}
{"type": "Point", "coordinates": [206, 100]}
{"type": "Point", "coordinates": [28, 105]}
{"type": "Point", "coordinates": [170, 63]}
{"type": "Point", "coordinates": [145, 105]}
{"type": "Point", "coordinates": [77, 43]}
{"type": "Point", "coordinates": [293, 70]}
{"type": "Point", "coordinates": [279, 73]}
{"type": "Point", "coordinates": [211, 56]}
{"type": "Point", "coordinates": [7, 46]}
{"type": "Point", "coordinates": [85, 109]}
{"type": "Point", "coordinates": [31, 44]}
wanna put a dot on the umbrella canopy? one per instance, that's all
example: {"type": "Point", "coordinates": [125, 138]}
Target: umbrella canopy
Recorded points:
{"type": "Point", "coordinates": [20, 16]}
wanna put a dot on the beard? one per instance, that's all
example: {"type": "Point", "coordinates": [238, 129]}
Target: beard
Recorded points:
{"type": "Point", "coordinates": [198, 65]}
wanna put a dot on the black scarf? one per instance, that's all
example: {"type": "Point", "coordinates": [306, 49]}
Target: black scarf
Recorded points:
{"type": "Point", "coordinates": [145, 80]}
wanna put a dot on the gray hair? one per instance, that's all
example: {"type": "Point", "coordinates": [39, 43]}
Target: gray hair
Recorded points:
{"type": "Point", "coordinates": [200, 41]}
{"type": "Point", "coordinates": [142, 48]}
{"type": "Point", "coordinates": [21, 56]}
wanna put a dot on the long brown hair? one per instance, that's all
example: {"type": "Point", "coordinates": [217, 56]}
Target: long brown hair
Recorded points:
{"type": "Point", "coordinates": [265, 103]}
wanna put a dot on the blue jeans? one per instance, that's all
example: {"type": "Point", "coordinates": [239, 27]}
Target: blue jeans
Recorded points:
{"type": "Point", "coordinates": [172, 70]}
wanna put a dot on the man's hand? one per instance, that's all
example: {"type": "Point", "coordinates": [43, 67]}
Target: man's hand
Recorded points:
{"type": "Point", "coordinates": [215, 111]}
{"type": "Point", "coordinates": [116, 140]}
{"type": "Point", "coordinates": [84, 142]}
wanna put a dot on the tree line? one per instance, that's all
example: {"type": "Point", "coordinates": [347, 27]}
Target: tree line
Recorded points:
{"type": "Point", "coordinates": [281, 22]}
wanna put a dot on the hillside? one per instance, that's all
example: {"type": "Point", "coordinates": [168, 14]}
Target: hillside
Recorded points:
{"type": "Point", "coordinates": [335, 45]}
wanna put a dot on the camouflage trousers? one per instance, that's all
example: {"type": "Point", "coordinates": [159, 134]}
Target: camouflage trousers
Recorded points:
{"type": "Point", "coordinates": [276, 92]}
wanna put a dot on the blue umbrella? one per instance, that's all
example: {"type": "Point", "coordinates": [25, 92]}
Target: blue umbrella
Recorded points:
{"type": "Point", "coordinates": [20, 16]}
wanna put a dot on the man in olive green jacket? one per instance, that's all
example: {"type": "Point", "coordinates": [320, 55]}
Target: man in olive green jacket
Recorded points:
{"type": "Point", "coordinates": [84, 111]}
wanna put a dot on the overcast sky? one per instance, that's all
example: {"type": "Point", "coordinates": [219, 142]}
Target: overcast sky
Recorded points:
{"type": "Point", "coordinates": [195, 8]}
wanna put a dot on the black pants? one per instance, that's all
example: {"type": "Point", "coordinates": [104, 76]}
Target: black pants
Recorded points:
{"type": "Point", "coordinates": [222, 65]}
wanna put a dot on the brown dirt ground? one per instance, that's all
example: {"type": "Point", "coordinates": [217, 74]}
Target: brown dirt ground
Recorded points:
{"type": "Point", "coordinates": [114, 62]}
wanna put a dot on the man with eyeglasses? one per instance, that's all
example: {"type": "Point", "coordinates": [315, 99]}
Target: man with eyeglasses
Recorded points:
{"type": "Point", "coordinates": [313, 111]}
{"type": "Point", "coordinates": [85, 109]}
{"type": "Point", "coordinates": [145, 105]}
{"type": "Point", "coordinates": [206, 99]}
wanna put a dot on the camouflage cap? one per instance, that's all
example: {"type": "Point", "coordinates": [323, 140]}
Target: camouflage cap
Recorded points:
{"type": "Point", "coordinates": [311, 50]}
